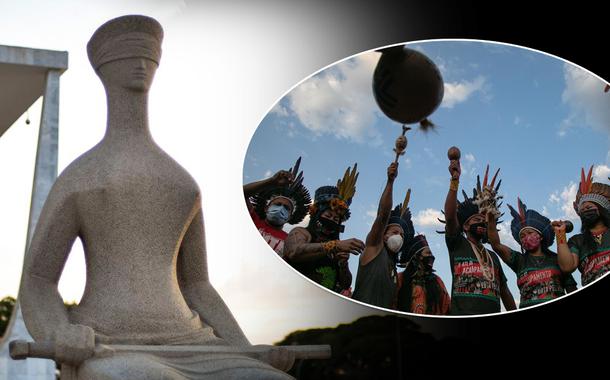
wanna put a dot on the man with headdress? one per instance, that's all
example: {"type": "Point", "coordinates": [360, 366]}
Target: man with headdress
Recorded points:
{"type": "Point", "coordinates": [588, 251]}
{"type": "Point", "coordinates": [420, 290]}
{"type": "Point", "coordinates": [478, 279]}
{"type": "Point", "coordinates": [316, 250]}
{"type": "Point", "coordinates": [275, 201]}
{"type": "Point", "coordinates": [377, 278]}
{"type": "Point", "coordinates": [538, 274]}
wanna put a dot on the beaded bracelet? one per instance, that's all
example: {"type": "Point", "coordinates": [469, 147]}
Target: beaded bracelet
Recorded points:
{"type": "Point", "coordinates": [330, 248]}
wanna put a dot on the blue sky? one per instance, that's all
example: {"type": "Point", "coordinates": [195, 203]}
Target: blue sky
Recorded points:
{"type": "Point", "coordinates": [536, 117]}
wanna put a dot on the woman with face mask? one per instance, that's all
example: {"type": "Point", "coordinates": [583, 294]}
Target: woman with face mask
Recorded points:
{"type": "Point", "coordinates": [538, 274]}
{"type": "Point", "coordinates": [420, 290]}
{"type": "Point", "coordinates": [588, 251]}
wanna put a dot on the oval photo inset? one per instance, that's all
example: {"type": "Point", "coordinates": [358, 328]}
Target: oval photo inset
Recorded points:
{"type": "Point", "coordinates": [438, 178]}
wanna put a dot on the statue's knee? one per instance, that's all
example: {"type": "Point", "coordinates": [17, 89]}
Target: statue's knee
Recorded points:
{"type": "Point", "coordinates": [96, 369]}
{"type": "Point", "coordinates": [254, 374]}
{"type": "Point", "coordinates": [123, 367]}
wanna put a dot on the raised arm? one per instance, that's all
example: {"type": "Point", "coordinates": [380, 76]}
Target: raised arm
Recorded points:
{"type": "Point", "coordinates": [43, 308]}
{"type": "Point", "coordinates": [281, 178]}
{"type": "Point", "coordinates": [503, 251]}
{"type": "Point", "coordinates": [567, 260]}
{"type": "Point", "coordinates": [198, 292]}
{"type": "Point", "coordinates": [374, 239]}
{"type": "Point", "coordinates": [451, 220]}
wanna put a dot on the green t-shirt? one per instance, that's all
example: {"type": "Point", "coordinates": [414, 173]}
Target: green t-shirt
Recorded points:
{"type": "Point", "coordinates": [323, 271]}
{"type": "Point", "coordinates": [592, 263]}
{"type": "Point", "coordinates": [471, 292]}
{"type": "Point", "coordinates": [539, 278]}
{"type": "Point", "coordinates": [376, 282]}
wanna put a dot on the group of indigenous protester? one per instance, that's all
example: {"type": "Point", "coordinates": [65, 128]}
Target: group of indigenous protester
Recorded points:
{"type": "Point", "coordinates": [396, 265]}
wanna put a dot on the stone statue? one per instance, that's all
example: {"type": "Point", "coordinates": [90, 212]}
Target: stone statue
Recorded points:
{"type": "Point", "coordinates": [138, 214]}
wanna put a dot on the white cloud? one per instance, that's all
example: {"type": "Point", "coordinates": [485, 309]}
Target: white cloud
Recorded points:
{"type": "Point", "coordinates": [601, 173]}
{"type": "Point", "coordinates": [268, 174]}
{"type": "Point", "coordinates": [468, 166]}
{"type": "Point", "coordinates": [554, 198]}
{"type": "Point", "coordinates": [564, 198]}
{"type": "Point", "coordinates": [371, 214]}
{"type": "Point", "coordinates": [584, 94]}
{"type": "Point", "coordinates": [459, 92]}
{"type": "Point", "coordinates": [506, 237]}
{"type": "Point", "coordinates": [517, 120]}
{"type": "Point", "coordinates": [428, 218]}
{"type": "Point", "coordinates": [279, 110]}
{"type": "Point", "coordinates": [339, 101]}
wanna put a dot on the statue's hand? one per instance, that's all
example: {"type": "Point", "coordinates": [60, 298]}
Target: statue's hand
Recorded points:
{"type": "Point", "coordinates": [279, 358]}
{"type": "Point", "coordinates": [74, 344]}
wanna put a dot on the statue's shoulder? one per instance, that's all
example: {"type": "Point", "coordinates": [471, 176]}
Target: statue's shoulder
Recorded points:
{"type": "Point", "coordinates": [176, 173]}
{"type": "Point", "coordinates": [78, 169]}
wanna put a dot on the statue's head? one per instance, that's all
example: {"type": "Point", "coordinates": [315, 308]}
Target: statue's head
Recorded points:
{"type": "Point", "coordinates": [126, 51]}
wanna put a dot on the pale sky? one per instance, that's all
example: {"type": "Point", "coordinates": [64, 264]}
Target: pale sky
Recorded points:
{"type": "Point", "coordinates": [220, 73]}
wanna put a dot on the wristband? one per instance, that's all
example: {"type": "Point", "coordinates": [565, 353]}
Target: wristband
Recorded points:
{"type": "Point", "coordinates": [330, 248]}
{"type": "Point", "coordinates": [454, 184]}
{"type": "Point", "coordinates": [561, 237]}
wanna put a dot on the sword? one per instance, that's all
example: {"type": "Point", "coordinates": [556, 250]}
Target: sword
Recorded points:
{"type": "Point", "coordinates": [20, 350]}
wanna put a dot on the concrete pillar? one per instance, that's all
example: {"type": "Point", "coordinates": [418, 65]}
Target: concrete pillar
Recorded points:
{"type": "Point", "coordinates": [45, 173]}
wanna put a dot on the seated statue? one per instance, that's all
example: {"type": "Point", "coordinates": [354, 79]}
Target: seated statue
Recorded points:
{"type": "Point", "coordinates": [138, 215]}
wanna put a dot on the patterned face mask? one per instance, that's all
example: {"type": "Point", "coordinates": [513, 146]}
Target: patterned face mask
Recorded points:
{"type": "Point", "coordinates": [530, 242]}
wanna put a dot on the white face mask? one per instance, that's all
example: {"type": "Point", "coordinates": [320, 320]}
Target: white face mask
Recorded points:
{"type": "Point", "coordinates": [394, 243]}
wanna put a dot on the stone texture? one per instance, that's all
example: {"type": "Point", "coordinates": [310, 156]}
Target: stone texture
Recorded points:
{"type": "Point", "coordinates": [138, 214]}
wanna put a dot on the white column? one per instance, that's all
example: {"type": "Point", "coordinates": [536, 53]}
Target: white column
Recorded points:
{"type": "Point", "coordinates": [45, 173]}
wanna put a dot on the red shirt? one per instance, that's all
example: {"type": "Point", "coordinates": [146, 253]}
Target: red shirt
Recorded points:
{"type": "Point", "coordinates": [273, 236]}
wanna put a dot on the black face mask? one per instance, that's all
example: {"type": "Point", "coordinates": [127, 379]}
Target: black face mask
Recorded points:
{"type": "Point", "coordinates": [328, 227]}
{"type": "Point", "coordinates": [420, 263]}
{"type": "Point", "coordinates": [473, 231]}
{"type": "Point", "coordinates": [428, 262]}
{"type": "Point", "coordinates": [589, 218]}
